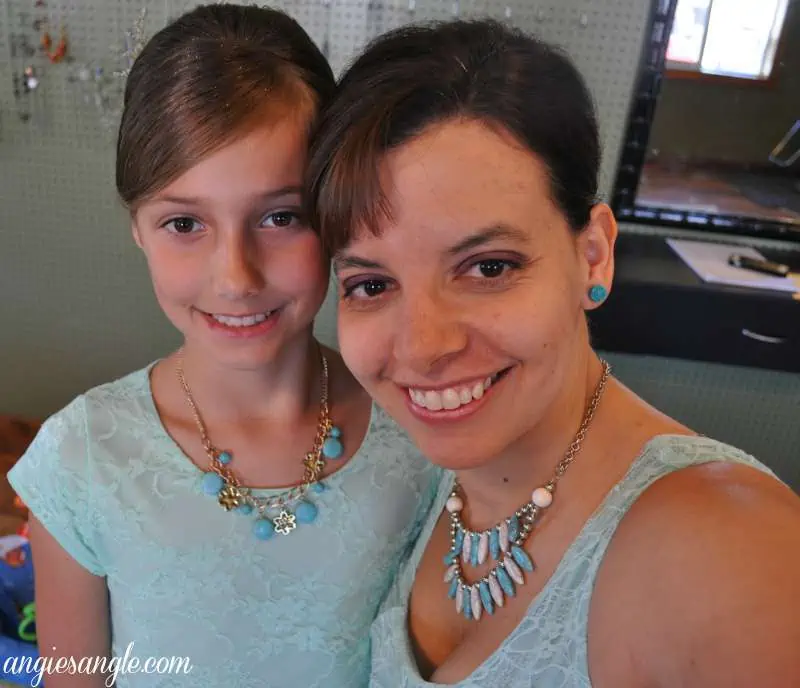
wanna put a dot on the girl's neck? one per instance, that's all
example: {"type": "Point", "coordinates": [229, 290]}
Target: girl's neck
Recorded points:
{"type": "Point", "coordinates": [497, 488]}
{"type": "Point", "coordinates": [285, 389]}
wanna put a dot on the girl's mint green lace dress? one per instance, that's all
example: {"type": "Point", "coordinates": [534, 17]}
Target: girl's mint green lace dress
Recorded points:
{"type": "Point", "coordinates": [188, 579]}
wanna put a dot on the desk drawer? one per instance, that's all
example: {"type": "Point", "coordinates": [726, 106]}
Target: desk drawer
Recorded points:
{"type": "Point", "coordinates": [734, 327]}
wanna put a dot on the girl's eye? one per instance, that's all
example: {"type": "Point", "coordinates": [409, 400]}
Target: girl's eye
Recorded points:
{"type": "Point", "coordinates": [182, 225]}
{"type": "Point", "coordinates": [281, 219]}
{"type": "Point", "coordinates": [366, 289]}
{"type": "Point", "coordinates": [491, 268]}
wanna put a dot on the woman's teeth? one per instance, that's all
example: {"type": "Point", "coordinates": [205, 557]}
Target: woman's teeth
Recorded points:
{"type": "Point", "coordinates": [243, 321]}
{"type": "Point", "coordinates": [450, 398]}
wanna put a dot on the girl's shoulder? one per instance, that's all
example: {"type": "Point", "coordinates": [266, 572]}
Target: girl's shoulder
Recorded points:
{"type": "Point", "coordinates": [69, 434]}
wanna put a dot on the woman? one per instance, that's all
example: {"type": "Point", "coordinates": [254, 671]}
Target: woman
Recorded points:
{"type": "Point", "coordinates": [459, 202]}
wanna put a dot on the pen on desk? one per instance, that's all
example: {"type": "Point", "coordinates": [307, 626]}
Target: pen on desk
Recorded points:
{"type": "Point", "coordinates": [767, 267]}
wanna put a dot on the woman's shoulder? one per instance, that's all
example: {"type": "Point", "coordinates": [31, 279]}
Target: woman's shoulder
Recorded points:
{"type": "Point", "coordinates": [666, 456]}
{"type": "Point", "coordinates": [694, 485]}
{"type": "Point", "coordinates": [710, 550]}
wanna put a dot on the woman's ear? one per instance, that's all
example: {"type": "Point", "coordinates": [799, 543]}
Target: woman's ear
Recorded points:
{"type": "Point", "coordinates": [596, 251]}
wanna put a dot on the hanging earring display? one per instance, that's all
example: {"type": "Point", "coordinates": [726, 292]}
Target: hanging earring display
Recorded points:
{"type": "Point", "coordinates": [59, 52]}
{"type": "Point", "coordinates": [101, 84]}
{"type": "Point", "coordinates": [30, 80]}
{"type": "Point", "coordinates": [134, 41]}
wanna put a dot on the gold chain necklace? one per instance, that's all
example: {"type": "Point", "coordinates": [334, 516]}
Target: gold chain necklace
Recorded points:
{"type": "Point", "coordinates": [504, 541]}
{"type": "Point", "coordinates": [278, 513]}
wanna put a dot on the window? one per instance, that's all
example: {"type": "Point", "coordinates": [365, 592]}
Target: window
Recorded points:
{"type": "Point", "coordinates": [733, 38]}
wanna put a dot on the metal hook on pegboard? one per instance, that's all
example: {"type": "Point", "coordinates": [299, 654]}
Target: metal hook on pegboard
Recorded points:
{"type": "Point", "coordinates": [326, 43]}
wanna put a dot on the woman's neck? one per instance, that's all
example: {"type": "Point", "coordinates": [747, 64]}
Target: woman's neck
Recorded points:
{"type": "Point", "coordinates": [497, 488]}
{"type": "Point", "coordinates": [287, 388]}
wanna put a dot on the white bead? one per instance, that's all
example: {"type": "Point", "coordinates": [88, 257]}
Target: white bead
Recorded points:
{"type": "Point", "coordinates": [513, 571]}
{"type": "Point", "coordinates": [450, 573]}
{"type": "Point", "coordinates": [454, 504]}
{"type": "Point", "coordinates": [503, 533]}
{"type": "Point", "coordinates": [483, 548]}
{"type": "Point", "coordinates": [459, 599]}
{"type": "Point", "coordinates": [475, 600]}
{"type": "Point", "coordinates": [496, 590]}
{"type": "Point", "coordinates": [542, 497]}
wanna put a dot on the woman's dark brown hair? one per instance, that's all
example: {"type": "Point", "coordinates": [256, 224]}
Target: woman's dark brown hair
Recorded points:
{"type": "Point", "coordinates": [417, 76]}
{"type": "Point", "coordinates": [210, 76]}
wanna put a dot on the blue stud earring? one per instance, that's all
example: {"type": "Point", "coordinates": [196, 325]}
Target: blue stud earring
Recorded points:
{"type": "Point", "coordinates": [598, 293]}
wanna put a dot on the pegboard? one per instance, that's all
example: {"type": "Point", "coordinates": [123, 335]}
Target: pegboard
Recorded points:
{"type": "Point", "coordinates": [603, 37]}
{"type": "Point", "coordinates": [77, 307]}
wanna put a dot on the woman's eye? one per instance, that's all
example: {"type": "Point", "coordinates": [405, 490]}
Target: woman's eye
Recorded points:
{"type": "Point", "coordinates": [282, 218]}
{"type": "Point", "coordinates": [368, 289]}
{"type": "Point", "coordinates": [490, 268]}
{"type": "Point", "coordinates": [182, 225]}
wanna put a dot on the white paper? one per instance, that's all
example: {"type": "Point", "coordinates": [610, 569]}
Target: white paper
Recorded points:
{"type": "Point", "coordinates": [709, 261]}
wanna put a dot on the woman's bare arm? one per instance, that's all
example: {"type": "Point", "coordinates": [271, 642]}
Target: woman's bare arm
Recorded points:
{"type": "Point", "coordinates": [700, 585]}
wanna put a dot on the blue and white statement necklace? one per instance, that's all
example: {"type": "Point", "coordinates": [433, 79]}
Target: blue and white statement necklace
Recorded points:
{"type": "Point", "coordinates": [505, 541]}
{"type": "Point", "coordinates": [277, 513]}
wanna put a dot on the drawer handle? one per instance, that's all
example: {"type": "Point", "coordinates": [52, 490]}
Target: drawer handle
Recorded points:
{"type": "Point", "coordinates": [762, 337]}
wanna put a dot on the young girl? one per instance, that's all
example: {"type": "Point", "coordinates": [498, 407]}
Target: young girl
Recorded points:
{"type": "Point", "coordinates": [239, 503]}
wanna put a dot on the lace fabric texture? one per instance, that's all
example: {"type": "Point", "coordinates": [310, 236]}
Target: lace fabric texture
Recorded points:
{"type": "Point", "coordinates": [548, 649]}
{"type": "Point", "coordinates": [188, 579]}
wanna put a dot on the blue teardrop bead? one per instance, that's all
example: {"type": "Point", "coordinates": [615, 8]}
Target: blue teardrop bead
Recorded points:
{"type": "Point", "coordinates": [467, 608]}
{"type": "Point", "coordinates": [486, 597]}
{"type": "Point", "coordinates": [459, 543]}
{"type": "Point", "coordinates": [332, 448]}
{"type": "Point", "coordinates": [494, 543]}
{"type": "Point", "coordinates": [212, 483]}
{"type": "Point", "coordinates": [505, 581]}
{"type": "Point", "coordinates": [224, 458]}
{"type": "Point", "coordinates": [334, 432]}
{"type": "Point", "coordinates": [263, 529]}
{"type": "Point", "coordinates": [306, 512]}
{"type": "Point", "coordinates": [450, 557]}
{"type": "Point", "coordinates": [513, 528]}
{"type": "Point", "coordinates": [473, 550]}
{"type": "Point", "coordinates": [245, 509]}
{"type": "Point", "coordinates": [318, 488]}
{"type": "Point", "coordinates": [451, 593]}
{"type": "Point", "coordinates": [522, 558]}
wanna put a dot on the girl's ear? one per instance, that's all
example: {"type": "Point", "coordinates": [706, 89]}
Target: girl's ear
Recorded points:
{"type": "Point", "coordinates": [137, 237]}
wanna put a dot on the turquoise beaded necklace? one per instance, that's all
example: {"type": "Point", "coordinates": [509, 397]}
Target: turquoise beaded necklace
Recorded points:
{"type": "Point", "coordinates": [278, 513]}
{"type": "Point", "coordinates": [505, 541]}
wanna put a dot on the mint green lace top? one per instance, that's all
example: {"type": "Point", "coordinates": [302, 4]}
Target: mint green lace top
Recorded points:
{"type": "Point", "coordinates": [548, 649]}
{"type": "Point", "coordinates": [188, 579]}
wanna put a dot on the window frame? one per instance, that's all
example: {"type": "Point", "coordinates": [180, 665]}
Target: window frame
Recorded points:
{"type": "Point", "coordinates": [693, 71]}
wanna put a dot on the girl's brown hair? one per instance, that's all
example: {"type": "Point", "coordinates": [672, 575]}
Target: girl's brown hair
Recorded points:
{"type": "Point", "coordinates": [211, 76]}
